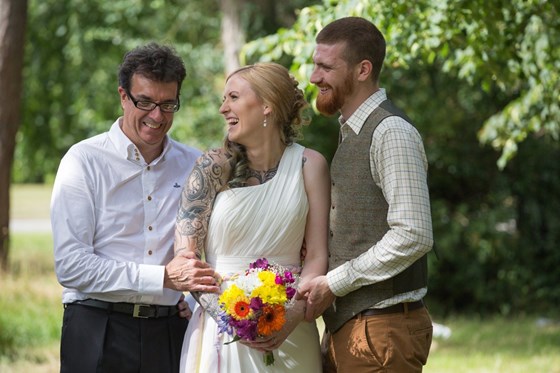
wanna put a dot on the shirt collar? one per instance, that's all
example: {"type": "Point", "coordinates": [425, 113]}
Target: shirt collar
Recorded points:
{"type": "Point", "coordinates": [127, 149]}
{"type": "Point", "coordinates": [358, 118]}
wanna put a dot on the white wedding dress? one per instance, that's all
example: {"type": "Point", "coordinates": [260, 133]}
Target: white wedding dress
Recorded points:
{"type": "Point", "coordinates": [246, 224]}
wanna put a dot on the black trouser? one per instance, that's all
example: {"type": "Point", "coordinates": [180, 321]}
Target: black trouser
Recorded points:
{"type": "Point", "coordinates": [95, 340]}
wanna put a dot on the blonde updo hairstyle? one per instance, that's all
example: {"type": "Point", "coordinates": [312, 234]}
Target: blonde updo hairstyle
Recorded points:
{"type": "Point", "coordinates": [278, 89]}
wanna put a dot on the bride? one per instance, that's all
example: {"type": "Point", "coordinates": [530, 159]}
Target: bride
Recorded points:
{"type": "Point", "coordinates": [261, 195]}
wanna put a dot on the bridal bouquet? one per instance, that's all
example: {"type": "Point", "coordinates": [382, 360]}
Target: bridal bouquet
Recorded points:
{"type": "Point", "coordinates": [255, 303]}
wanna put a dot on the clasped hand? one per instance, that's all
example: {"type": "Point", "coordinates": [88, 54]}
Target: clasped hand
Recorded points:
{"type": "Point", "coordinates": [188, 273]}
{"type": "Point", "coordinates": [318, 295]}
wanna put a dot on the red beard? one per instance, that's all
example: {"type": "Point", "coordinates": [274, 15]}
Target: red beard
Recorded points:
{"type": "Point", "coordinates": [327, 104]}
{"type": "Point", "coordinates": [331, 102]}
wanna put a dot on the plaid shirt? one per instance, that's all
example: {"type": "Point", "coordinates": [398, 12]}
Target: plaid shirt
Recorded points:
{"type": "Point", "coordinates": [399, 167]}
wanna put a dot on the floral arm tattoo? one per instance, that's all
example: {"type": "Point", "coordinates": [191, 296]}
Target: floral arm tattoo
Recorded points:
{"type": "Point", "coordinates": [208, 177]}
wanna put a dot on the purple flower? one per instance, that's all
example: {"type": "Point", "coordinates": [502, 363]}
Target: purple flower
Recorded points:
{"type": "Point", "coordinates": [223, 324]}
{"type": "Point", "coordinates": [290, 292]}
{"type": "Point", "coordinates": [289, 277]}
{"type": "Point", "coordinates": [256, 303]}
{"type": "Point", "coordinates": [279, 280]}
{"type": "Point", "coordinates": [259, 264]}
{"type": "Point", "coordinates": [245, 329]}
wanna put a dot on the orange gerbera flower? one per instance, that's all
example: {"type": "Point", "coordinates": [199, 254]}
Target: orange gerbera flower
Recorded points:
{"type": "Point", "coordinates": [271, 320]}
{"type": "Point", "coordinates": [241, 310]}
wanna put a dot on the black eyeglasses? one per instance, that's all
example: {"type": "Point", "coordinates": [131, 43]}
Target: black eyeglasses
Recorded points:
{"type": "Point", "coordinates": [166, 107]}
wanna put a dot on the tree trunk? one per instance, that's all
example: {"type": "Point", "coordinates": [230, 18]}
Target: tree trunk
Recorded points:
{"type": "Point", "coordinates": [13, 17]}
{"type": "Point", "coordinates": [233, 36]}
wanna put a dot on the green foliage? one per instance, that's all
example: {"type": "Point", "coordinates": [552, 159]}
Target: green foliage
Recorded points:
{"type": "Point", "coordinates": [534, 183]}
{"type": "Point", "coordinates": [503, 45]}
{"type": "Point", "coordinates": [73, 52]}
{"type": "Point", "coordinates": [472, 206]}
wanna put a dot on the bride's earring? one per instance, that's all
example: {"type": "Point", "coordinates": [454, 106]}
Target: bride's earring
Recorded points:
{"type": "Point", "coordinates": [264, 123]}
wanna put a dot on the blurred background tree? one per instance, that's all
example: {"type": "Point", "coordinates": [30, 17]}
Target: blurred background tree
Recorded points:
{"type": "Point", "coordinates": [479, 79]}
{"type": "Point", "coordinates": [13, 16]}
{"type": "Point", "coordinates": [73, 50]}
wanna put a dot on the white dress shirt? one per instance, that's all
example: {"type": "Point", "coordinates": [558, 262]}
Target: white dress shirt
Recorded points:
{"type": "Point", "coordinates": [399, 167]}
{"type": "Point", "coordinates": [113, 218]}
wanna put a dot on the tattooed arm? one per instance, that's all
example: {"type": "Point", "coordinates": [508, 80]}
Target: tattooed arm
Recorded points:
{"type": "Point", "coordinates": [208, 177]}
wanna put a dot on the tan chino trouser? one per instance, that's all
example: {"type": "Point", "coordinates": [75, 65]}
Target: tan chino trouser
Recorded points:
{"type": "Point", "coordinates": [397, 342]}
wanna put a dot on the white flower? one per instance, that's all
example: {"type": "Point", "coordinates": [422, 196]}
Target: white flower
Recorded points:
{"type": "Point", "coordinates": [248, 283]}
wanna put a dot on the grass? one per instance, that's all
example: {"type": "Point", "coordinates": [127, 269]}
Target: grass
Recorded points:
{"type": "Point", "coordinates": [497, 344]}
{"type": "Point", "coordinates": [30, 201]}
{"type": "Point", "coordinates": [31, 316]}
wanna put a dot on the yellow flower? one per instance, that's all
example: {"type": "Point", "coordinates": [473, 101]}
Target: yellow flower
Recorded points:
{"type": "Point", "coordinates": [235, 302]}
{"type": "Point", "coordinates": [270, 293]}
{"type": "Point", "coordinates": [267, 277]}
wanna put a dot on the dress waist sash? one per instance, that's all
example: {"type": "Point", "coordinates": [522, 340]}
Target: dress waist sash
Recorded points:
{"type": "Point", "coordinates": [233, 264]}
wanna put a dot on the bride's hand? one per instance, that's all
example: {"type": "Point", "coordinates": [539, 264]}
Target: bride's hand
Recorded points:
{"type": "Point", "coordinates": [294, 315]}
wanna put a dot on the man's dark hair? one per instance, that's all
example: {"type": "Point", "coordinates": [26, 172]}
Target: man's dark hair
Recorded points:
{"type": "Point", "coordinates": [363, 41]}
{"type": "Point", "coordinates": [155, 62]}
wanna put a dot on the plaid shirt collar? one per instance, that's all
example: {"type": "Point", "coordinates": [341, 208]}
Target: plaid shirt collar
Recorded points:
{"type": "Point", "coordinates": [358, 118]}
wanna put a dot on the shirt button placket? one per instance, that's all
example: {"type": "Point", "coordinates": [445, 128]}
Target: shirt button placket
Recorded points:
{"type": "Point", "coordinates": [150, 210]}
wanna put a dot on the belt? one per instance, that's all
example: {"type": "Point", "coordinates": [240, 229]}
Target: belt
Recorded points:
{"type": "Point", "coordinates": [397, 308]}
{"type": "Point", "coordinates": [143, 311]}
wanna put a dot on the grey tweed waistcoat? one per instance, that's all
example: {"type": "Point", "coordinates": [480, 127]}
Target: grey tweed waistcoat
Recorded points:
{"type": "Point", "coordinates": [358, 219]}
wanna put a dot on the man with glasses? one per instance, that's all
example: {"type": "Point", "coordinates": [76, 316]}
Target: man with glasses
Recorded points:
{"type": "Point", "coordinates": [113, 211]}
